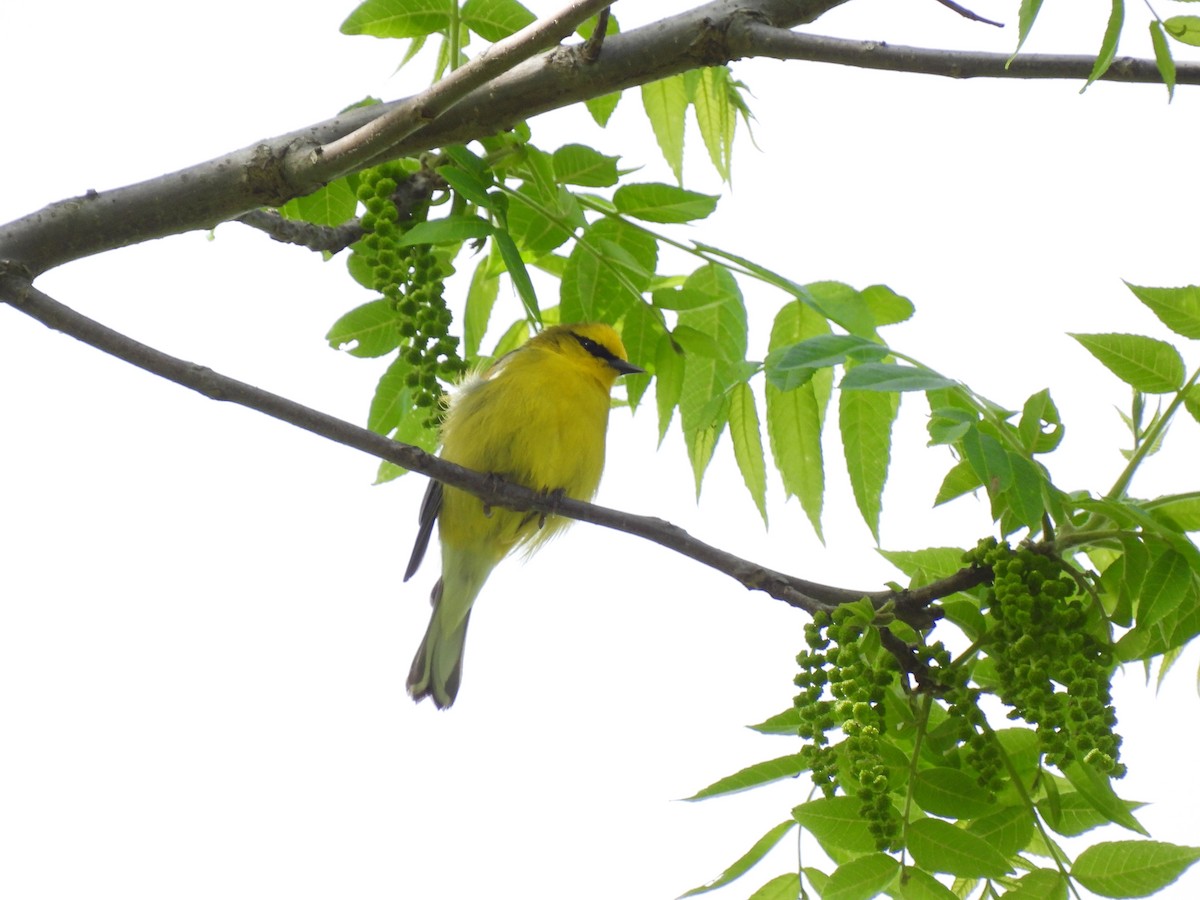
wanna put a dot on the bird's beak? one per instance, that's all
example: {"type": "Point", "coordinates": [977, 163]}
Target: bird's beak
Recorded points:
{"type": "Point", "coordinates": [626, 368]}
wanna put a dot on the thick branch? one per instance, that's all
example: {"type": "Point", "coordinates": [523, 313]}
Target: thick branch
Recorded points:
{"type": "Point", "coordinates": [760, 39]}
{"type": "Point", "coordinates": [796, 592]}
{"type": "Point", "coordinates": [204, 195]}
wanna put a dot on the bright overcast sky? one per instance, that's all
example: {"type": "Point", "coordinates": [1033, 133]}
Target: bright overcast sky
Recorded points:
{"type": "Point", "coordinates": [203, 633]}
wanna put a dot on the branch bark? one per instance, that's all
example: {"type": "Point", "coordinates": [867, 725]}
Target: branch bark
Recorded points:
{"type": "Point", "coordinates": [911, 606]}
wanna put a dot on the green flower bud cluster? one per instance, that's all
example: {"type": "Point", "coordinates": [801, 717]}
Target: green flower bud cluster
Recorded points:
{"type": "Point", "coordinates": [967, 725]}
{"type": "Point", "coordinates": [843, 680]}
{"type": "Point", "coordinates": [411, 279]}
{"type": "Point", "coordinates": [1052, 671]}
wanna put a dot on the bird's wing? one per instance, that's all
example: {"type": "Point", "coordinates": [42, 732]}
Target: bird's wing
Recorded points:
{"type": "Point", "coordinates": [430, 507]}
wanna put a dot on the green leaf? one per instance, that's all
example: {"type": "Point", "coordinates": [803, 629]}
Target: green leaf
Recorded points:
{"type": "Point", "coordinates": [795, 418]}
{"type": "Point", "coordinates": [1132, 868]}
{"type": "Point", "coordinates": [392, 399]}
{"type": "Point", "coordinates": [916, 884]}
{"type": "Point", "coordinates": [1178, 308]}
{"type": "Point", "coordinates": [451, 230]}
{"type": "Point", "coordinates": [1040, 428]}
{"type": "Point", "coordinates": [668, 382]}
{"type": "Point", "coordinates": [789, 367]}
{"type": "Point", "coordinates": [716, 116]}
{"type": "Point", "coordinates": [577, 164]}
{"type": "Point", "coordinates": [543, 217]}
{"type": "Point", "coordinates": [1163, 58]}
{"type": "Point", "coordinates": [865, 419]}
{"type": "Point", "coordinates": [747, 860]}
{"type": "Point", "coordinates": [518, 273]}
{"type": "Point", "coordinates": [1146, 364]}
{"type": "Point", "coordinates": [1167, 584]}
{"type": "Point", "coordinates": [938, 846]}
{"type": "Point", "coordinates": [1008, 829]}
{"type": "Point", "coordinates": [468, 184]}
{"type": "Point", "coordinates": [481, 297]}
{"type": "Point", "coordinates": [610, 266]}
{"type": "Point", "coordinates": [924, 566]}
{"type": "Point", "coordinates": [950, 793]}
{"type": "Point", "coordinates": [1040, 884]}
{"type": "Point", "coordinates": [1108, 47]}
{"type": "Point", "coordinates": [781, 887]}
{"type": "Point", "coordinates": [837, 823]}
{"type": "Point", "coordinates": [398, 18]}
{"type": "Point", "coordinates": [641, 330]}
{"type": "Point", "coordinates": [1024, 495]}
{"type": "Point", "coordinates": [662, 203]}
{"type": "Point", "coordinates": [746, 434]}
{"type": "Point", "coordinates": [701, 442]}
{"type": "Point", "coordinates": [752, 776]}
{"type": "Point", "coordinates": [665, 102]}
{"type": "Point", "coordinates": [1182, 511]}
{"type": "Point", "coordinates": [1025, 20]}
{"type": "Point", "coordinates": [786, 722]}
{"type": "Point", "coordinates": [331, 205]}
{"type": "Point", "coordinates": [892, 377]}
{"type": "Point", "coordinates": [601, 108]}
{"type": "Point", "coordinates": [367, 331]}
{"type": "Point", "coordinates": [494, 20]}
{"type": "Point", "coordinates": [839, 303]}
{"type": "Point", "coordinates": [861, 878]}
{"type": "Point", "coordinates": [1072, 814]}
{"type": "Point", "coordinates": [1185, 29]}
{"type": "Point", "coordinates": [886, 306]}
{"type": "Point", "coordinates": [961, 479]}
{"type": "Point", "coordinates": [1097, 790]}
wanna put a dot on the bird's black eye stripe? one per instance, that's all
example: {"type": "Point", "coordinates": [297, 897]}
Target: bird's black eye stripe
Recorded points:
{"type": "Point", "coordinates": [597, 350]}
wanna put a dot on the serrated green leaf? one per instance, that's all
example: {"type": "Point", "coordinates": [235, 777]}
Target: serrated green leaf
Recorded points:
{"type": "Point", "coordinates": [1182, 511]}
{"type": "Point", "coordinates": [938, 846]}
{"type": "Point", "coordinates": [916, 884]}
{"type": "Point", "coordinates": [1132, 868]}
{"type": "Point", "coordinates": [468, 185]}
{"type": "Point", "coordinates": [331, 205]}
{"type": "Point", "coordinates": [892, 377]}
{"type": "Point", "coordinates": [747, 860]}
{"type": "Point", "coordinates": [789, 367]}
{"type": "Point", "coordinates": [961, 479]}
{"type": "Point", "coordinates": [1178, 308]}
{"type": "Point", "coordinates": [578, 164]}
{"type": "Point", "coordinates": [369, 330]}
{"type": "Point", "coordinates": [481, 297]}
{"type": "Point", "coordinates": [1108, 47]}
{"type": "Point", "coordinates": [542, 218]}
{"type": "Point", "coordinates": [663, 203]}
{"type": "Point", "coordinates": [668, 382]}
{"type": "Point", "coordinates": [1040, 427]}
{"type": "Point", "coordinates": [1162, 57]}
{"type": "Point", "coordinates": [924, 566]}
{"type": "Point", "coordinates": [1167, 584]}
{"type": "Point", "coordinates": [1185, 29]}
{"type": "Point", "coordinates": [1007, 829]}
{"type": "Point", "coordinates": [752, 776]}
{"type": "Point", "coordinates": [1023, 496]}
{"type": "Point", "coordinates": [1040, 884]}
{"type": "Point", "coordinates": [518, 273]}
{"type": "Point", "coordinates": [1025, 20]}
{"type": "Point", "coordinates": [701, 443]}
{"type": "Point", "coordinates": [398, 18]}
{"type": "Point", "coordinates": [601, 108]}
{"type": "Point", "coordinates": [781, 887]}
{"type": "Point", "coordinates": [861, 878]}
{"type": "Point", "coordinates": [451, 230]}
{"type": "Point", "coordinates": [665, 102]}
{"type": "Point", "coordinates": [609, 267]}
{"type": "Point", "coordinates": [1096, 788]}
{"type": "Point", "coordinates": [1071, 814]}
{"type": "Point", "coordinates": [746, 435]}
{"type": "Point", "coordinates": [785, 723]}
{"type": "Point", "coordinates": [494, 20]}
{"type": "Point", "coordinates": [795, 418]}
{"type": "Point", "coordinates": [950, 793]}
{"type": "Point", "coordinates": [839, 303]}
{"type": "Point", "coordinates": [837, 823]}
{"type": "Point", "coordinates": [1144, 363]}
{"type": "Point", "coordinates": [886, 306]}
{"type": "Point", "coordinates": [865, 419]}
{"type": "Point", "coordinates": [716, 116]}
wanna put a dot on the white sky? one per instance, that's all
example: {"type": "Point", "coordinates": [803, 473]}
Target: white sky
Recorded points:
{"type": "Point", "coordinates": [203, 634]}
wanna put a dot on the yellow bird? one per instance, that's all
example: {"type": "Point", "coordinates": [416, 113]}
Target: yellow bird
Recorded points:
{"type": "Point", "coordinates": [537, 417]}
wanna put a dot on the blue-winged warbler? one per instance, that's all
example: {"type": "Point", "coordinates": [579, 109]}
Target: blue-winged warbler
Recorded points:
{"type": "Point", "coordinates": [537, 417]}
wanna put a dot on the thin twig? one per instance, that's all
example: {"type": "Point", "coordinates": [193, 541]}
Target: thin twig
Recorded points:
{"type": "Point", "coordinates": [967, 14]}
{"type": "Point", "coordinates": [797, 592]}
{"type": "Point", "coordinates": [590, 51]}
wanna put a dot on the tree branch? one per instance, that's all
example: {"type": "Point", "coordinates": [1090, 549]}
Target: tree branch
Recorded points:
{"type": "Point", "coordinates": [911, 606]}
{"type": "Point", "coordinates": [759, 39]}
